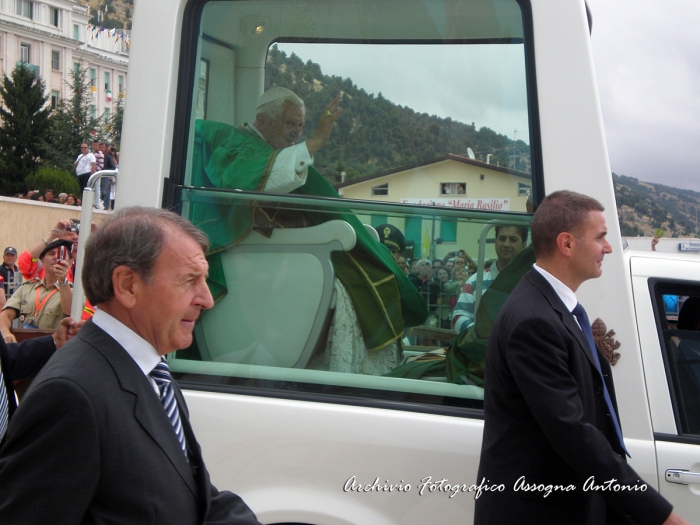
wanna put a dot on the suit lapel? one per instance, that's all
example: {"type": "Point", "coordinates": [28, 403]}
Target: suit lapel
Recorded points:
{"type": "Point", "coordinates": [567, 318]}
{"type": "Point", "coordinates": [148, 410]}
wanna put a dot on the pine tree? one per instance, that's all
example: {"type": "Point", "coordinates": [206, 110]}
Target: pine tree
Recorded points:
{"type": "Point", "coordinates": [70, 124]}
{"type": "Point", "coordinates": [116, 121]}
{"type": "Point", "coordinates": [25, 121]}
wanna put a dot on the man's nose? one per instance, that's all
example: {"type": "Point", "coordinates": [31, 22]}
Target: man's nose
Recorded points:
{"type": "Point", "coordinates": [204, 298]}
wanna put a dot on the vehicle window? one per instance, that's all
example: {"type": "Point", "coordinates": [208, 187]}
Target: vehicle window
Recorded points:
{"type": "Point", "coordinates": [681, 340]}
{"type": "Point", "coordinates": [368, 260]}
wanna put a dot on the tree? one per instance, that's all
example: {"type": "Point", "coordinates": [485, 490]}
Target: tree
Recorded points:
{"type": "Point", "coordinates": [25, 121]}
{"type": "Point", "coordinates": [116, 121]}
{"type": "Point", "coordinates": [70, 124]}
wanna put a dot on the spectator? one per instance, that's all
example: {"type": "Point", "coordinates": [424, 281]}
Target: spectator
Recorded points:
{"type": "Point", "coordinates": [85, 165]}
{"type": "Point", "coordinates": [401, 261]}
{"type": "Point", "coordinates": [9, 273]}
{"type": "Point", "coordinates": [98, 152]}
{"type": "Point", "coordinates": [41, 302]}
{"type": "Point", "coordinates": [29, 264]}
{"type": "Point", "coordinates": [426, 285]}
{"type": "Point", "coordinates": [109, 164]}
{"type": "Point", "coordinates": [48, 196]}
{"type": "Point", "coordinates": [71, 200]}
{"type": "Point", "coordinates": [62, 198]}
{"type": "Point", "coordinates": [510, 241]}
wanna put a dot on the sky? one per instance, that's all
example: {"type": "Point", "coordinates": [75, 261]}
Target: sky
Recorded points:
{"type": "Point", "coordinates": [647, 60]}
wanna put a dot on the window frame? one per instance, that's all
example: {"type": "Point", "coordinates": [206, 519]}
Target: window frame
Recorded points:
{"type": "Point", "coordinates": [174, 189]}
{"type": "Point", "coordinates": [55, 60]}
{"type": "Point", "coordinates": [658, 287]}
{"type": "Point", "coordinates": [25, 49]}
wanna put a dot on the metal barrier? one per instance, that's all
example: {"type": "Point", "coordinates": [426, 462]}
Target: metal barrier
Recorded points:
{"type": "Point", "coordinates": [76, 310]}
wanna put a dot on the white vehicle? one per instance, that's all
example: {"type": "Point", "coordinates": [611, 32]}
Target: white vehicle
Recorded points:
{"type": "Point", "coordinates": [321, 444]}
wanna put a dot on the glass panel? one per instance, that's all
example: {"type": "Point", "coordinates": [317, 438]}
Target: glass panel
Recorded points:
{"type": "Point", "coordinates": [678, 306]}
{"type": "Point", "coordinates": [76, 32]}
{"type": "Point", "coordinates": [428, 97]}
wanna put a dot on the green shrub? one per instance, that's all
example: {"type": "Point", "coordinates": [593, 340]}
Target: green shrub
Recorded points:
{"type": "Point", "coordinates": [60, 181]}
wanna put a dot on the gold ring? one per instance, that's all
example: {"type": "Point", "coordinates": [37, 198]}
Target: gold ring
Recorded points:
{"type": "Point", "coordinates": [327, 114]}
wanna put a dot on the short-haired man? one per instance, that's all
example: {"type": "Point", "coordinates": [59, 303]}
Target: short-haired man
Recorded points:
{"type": "Point", "coordinates": [510, 241]}
{"type": "Point", "coordinates": [549, 404]}
{"type": "Point", "coordinates": [85, 165]}
{"type": "Point", "coordinates": [48, 196]}
{"type": "Point", "coordinates": [103, 433]}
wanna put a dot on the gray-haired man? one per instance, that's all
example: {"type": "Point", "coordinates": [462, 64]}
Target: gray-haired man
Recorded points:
{"type": "Point", "coordinates": [103, 433]}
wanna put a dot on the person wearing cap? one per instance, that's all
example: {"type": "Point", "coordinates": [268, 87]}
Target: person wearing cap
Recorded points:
{"type": "Point", "coordinates": [65, 229]}
{"type": "Point", "coordinates": [41, 302]}
{"type": "Point", "coordinates": [263, 155]}
{"type": "Point", "coordinates": [9, 273]}
{"type": "Point", "coordinates": [391, 237]}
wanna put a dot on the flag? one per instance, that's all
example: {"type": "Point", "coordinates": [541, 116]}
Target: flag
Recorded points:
{"type": "Point", "coordinates": [109, 95]}
{"type": "Point", "coordinates": [425, 243]}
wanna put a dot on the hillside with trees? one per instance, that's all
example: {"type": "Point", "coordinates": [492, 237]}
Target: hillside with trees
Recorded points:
{"type": "Point", "coordinates": [373, 134]}
{"type": "Point", "coordinates": [643, 207]}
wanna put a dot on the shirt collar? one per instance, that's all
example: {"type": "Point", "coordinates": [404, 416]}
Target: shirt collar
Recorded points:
{"type": "Point", "coordinates": [137, 347]}
{"type": "Point", "coordinates": [566, 294]}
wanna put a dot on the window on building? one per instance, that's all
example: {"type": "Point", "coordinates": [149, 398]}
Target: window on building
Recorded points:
{"type": "Point", "coordinates": [453, 188]}
{"type": "Point", "coordinates": [54, 99]}
{"type": "Point", "coordinates": [76, 32]}
{"type": "Point", "coordinates": [107, 81]}
{"type": "Point", "coordinates": [54, 16]}
{"type": "Point", "coordinates": [76, 67]}
{"type": "Point", "coordinates": [25, 8]}
{"type": "Point", "coordinates": [92, 112]}
{"type": "Point", "coordinates": [24, 50]}
{"type": "Point", "coordinates": [121, 83]}
{"type": "Point", "coordinates": [56, 60]}
{"type": "Point", "coordinates": [106, 115]}
{"type": "Point", "coordinates": [524, 189]}
{"type": "Point", "coordinates": [93, 78]}
{"type": "Point", "coordinates": [381, 190]}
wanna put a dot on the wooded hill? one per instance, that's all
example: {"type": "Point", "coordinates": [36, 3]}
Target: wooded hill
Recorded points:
{"type": "Point", "coordinates": [373, 134]}
{"type": "Point", "coordinates": [644, 206]}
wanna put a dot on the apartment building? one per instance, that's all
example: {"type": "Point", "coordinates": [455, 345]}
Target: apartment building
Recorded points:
{"type": "Point", "coordinates": [54, 37]}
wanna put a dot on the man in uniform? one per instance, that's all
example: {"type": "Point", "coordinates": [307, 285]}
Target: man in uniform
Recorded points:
{"type": "Point", "coordinates": [41, 302]}
{"type": "Point", "coordinates": [263, 156]}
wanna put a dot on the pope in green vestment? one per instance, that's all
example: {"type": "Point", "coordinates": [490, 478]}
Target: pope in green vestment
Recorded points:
{"type": "Point", "coordinates": [228, 157]}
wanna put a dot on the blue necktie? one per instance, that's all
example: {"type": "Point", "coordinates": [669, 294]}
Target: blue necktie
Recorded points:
{"type": "Point", "coordinates": [4, 413]}
{"type": "Point", "coordinates": [161, 375]}
{"type": "Point", "coordinates": [582, 318]}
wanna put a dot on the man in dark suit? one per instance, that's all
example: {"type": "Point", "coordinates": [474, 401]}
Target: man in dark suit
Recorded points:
{"type": "Point", "coordinates": [23, 361]}
{"type": "Point", "coordinates": [103, 434]}
{"type": "Point", "coordinates": [551, 432]}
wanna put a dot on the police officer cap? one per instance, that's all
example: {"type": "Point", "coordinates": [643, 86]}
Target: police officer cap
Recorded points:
{"type": "Point", "coordinates": [391, 237]}
{"type": "Point", "coordinates": [56, 244]}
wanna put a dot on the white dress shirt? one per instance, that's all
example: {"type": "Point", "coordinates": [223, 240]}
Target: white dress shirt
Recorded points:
{"type": "Point", "coordinates": [140, 350]}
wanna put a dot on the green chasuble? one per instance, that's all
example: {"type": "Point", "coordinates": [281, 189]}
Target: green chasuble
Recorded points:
{"type": "Point", "coordinates": [237, 158]}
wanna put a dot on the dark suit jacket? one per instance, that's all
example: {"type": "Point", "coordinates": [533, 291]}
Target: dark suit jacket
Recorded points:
{"type": "Point", "coordinates": [545, 419]}
{"type": "Point", "coordinates": [91, 444]}
{"type": "Point", "coordinates": [23, 361]}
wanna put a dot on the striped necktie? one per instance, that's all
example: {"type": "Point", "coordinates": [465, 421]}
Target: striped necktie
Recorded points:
{"type": "Point", "coordinates": [161, 375]}
{"type": "Point", "coordinates": [4, 410]}
{"type": "Point", "coordinates": [582, 318]}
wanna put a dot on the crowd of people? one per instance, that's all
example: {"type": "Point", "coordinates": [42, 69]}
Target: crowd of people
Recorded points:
{"type": "Point", "coordinates": [448, 285]}
{"type": "Point", "coordinates": [102, 157]}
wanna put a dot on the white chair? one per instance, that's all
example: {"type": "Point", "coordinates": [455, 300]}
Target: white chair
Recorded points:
{"type": "Point", "coordinates": [280, 295]}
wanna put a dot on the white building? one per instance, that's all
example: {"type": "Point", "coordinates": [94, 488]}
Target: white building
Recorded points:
{"type": "Point", "coordinates": [53, 37]}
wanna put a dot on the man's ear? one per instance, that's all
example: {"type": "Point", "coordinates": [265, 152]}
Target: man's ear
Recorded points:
{"type": "Point", "coordinates": [565, 242]}
{"type": "Point", "coordinates": [262, 121]}
{"type": "Point", "coordinates": [127, 286]}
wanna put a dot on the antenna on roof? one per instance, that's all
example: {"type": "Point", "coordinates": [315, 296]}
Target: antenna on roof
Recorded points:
{"type": "Point", "coordinates": [470, 152]}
